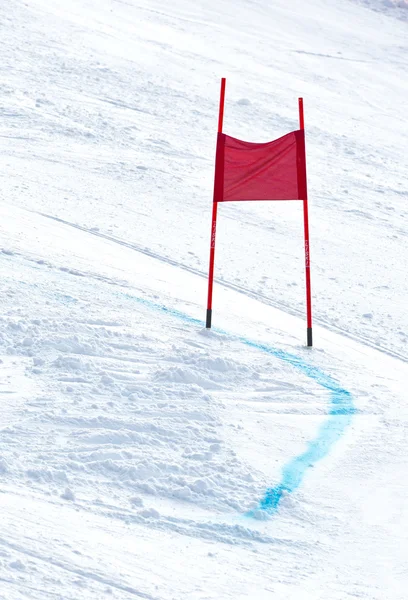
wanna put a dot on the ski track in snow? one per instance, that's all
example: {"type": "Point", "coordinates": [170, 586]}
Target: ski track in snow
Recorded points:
{"type": "Point", "coordinates": [233, 286]}
{"type": "Point", "coordinates": [117, 388]}
{"type": "Point", "coordinates": [142, 456]}
{"type": "Point", "coordinates": [293, 473]}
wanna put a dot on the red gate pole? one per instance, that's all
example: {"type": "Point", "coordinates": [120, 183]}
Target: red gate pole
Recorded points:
{"type": "Point", "coordinates": [307, 244]}
{"type": "Point", "coordinates": [214, 217]}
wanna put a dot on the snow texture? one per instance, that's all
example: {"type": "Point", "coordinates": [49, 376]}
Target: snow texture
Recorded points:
{"type": "Point", "coordinates": [142, 456]}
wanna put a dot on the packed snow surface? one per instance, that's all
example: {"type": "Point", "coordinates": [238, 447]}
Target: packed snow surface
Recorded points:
{"type": "Point", "coordinates": [141, 455]}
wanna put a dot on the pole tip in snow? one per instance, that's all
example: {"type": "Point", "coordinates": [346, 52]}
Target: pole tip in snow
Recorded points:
{"type": "Point", "coordinates": [309, 337]}
{"type": "Point", "coordinates": [209, 315]}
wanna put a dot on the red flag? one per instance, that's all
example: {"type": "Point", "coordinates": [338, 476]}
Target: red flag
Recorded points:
{"type": "Point", "coordinates": [272, 171]}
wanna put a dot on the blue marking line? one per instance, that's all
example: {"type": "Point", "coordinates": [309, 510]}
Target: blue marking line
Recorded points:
{"type": "Point", "coordinates": [339, 416]}
{"type": "Point", "coordinates": [341, 406]}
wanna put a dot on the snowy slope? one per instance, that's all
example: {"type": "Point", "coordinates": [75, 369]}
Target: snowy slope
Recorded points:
{"type": "Point", "coordinates": [134, 443]}
{"type": "Point", "coordinates": [140, 455]}
{"type": "Point", "coordinates": [126, 96]}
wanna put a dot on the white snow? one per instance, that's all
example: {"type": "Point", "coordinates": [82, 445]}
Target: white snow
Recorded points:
{"type": "Point", "coordinates": [137, 449]}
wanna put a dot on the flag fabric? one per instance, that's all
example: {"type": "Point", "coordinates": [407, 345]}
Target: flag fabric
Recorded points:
{"type": "Point", "coordinates": [270, 171]}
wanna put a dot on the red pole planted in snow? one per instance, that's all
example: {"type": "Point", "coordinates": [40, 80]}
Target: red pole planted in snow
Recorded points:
{"type": "Point", "coordinates": [307, 244]}
{"type": "Point", "coordinates": [214, 215]}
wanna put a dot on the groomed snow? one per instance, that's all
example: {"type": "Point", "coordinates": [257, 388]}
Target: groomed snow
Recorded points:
{"type": "Point", "coordinates": [137, 449]}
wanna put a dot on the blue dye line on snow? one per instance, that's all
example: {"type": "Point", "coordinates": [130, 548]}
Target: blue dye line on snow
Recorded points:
{"type": "Point", "coordinates": [341, 407]}
{"type": "Point", "coordinates": [341, 410]}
